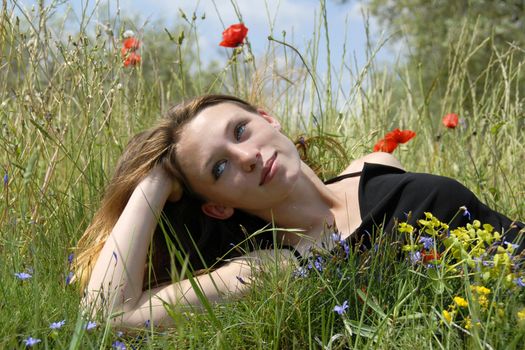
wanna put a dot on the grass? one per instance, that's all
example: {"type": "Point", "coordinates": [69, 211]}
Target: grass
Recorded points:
{"type": "Point", "coordinates": [69, 107]}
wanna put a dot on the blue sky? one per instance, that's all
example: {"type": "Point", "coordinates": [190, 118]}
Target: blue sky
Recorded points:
{"type": "Point", "coordinates": [262, 17]}
{"type": "Point", "coordinates": [299, 18]}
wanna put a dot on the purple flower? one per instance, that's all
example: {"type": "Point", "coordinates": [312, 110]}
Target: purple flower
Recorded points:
{"type": "Point", "coordinates": [465, 212]}
{"type": "Point", "coordinates": [118, 345]}
{"type": "Point", "coordinates": [346, 248]}
{"type": "Point", "coordinates": [69, 277]}
{"type": "Point", "coordinates": [90, 325]}
{"type": "Point", "coordinates": [336, 237]}
{"type": "Point", "coordinates": [22, 275]}
{"type": "Point", "coordinates": [70, 258]}
{"type": "Point", "coordinates": [6, 178]}
{"type": "Point", "coordinates": [147, 324]}
{"type": "Point", "coordinates": [30, 341]}
{"type": "Point", "coordinates": [514, 246]}
{"type": "Point", "coordinates": [57, 325]}
{"type": "Point", "coordinates": [318, 263]}
{"type": "Point", "coordinates": [520, 281]}
{"type": "Point", "coordinates": [300, 272]}
{"type": "Point", "coordinates": [427, 242]}
{"type": "Point", "coordinates": [341, 309]}
{"type": "Point", "coordinates": [415, 257]}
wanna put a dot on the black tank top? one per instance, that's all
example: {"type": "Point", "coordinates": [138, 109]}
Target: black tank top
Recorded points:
{"type": "Point", "coordinates": [388, 195]}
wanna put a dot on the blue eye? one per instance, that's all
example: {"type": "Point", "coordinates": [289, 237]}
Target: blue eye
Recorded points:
{"type": "Point", "coordinates": [218, 169]}
{"type": "Point", "coordinates": [239, 130]}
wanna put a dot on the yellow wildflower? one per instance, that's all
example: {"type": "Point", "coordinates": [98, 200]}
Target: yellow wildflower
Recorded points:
{"type": "Point", "coordinates": [468, 323]}
{"type": "Point", "coordinates": [481, 290]}
{"type": "Point", "coordinates": [521, 315]}
{"type": "Point", "coordinates": [404, 227]}
{"type": "Point", "coordinates": [410, 247]}
{"type": "Point", "coordinates": [483, 302]}
{"type": "Point", "coordinates": [448, 316]}
{"type": "Point", "coordinates": [460, 302]}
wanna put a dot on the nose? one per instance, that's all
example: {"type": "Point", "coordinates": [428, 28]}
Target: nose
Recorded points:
{"type": "Point", "coordinates": [246, 157]}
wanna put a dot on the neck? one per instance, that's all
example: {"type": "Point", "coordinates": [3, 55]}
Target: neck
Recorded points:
{"type": "Point", "coordinates": [308, 210]}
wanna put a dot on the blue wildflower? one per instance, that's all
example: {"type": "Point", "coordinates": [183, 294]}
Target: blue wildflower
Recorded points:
{"type": "Point", "coordinates": [514, 246]}
{"type": "Point", "coordinates": [147, 324]}
{"type": "Point", "coordinates": [22, 275]}
{"type": "Point", "coordinates": [57, 325]}
{"type": "Point", "coordinates": [30, 341]}
{"type": "Point", "coordinates": [69, 277]}
{"type": "Point", "coordinates": [300, 272]}
{"type": "Point", "coordinates": [70, 258]}
{"type": "Point", "coordinates": [6, 178]}
{"type": "Point", "coordinates": [427, 242]}
{"type": "Point", "coordinates": [415, 257]}
{"type": "Point", "coordinates": [318, 263]}
{"type": "Point", "coordinates": [465, 212]}
{"type": "Point", "coordinates": [90, 325]}
{"type": "Point", "coordinates": [341, 309]}
{"type": "Point", "coordinates": [520, 281]}
{"type": "Point", "coordinates": [118, 345]}
{"type": "Point", "coordinates": [346, 248]}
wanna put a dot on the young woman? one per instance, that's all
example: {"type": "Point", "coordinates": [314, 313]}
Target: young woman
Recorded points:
{"type": "Point", "coordinates": [215, 168]}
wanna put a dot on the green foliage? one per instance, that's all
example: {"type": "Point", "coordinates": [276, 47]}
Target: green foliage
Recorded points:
{"type": "Point", "coordinates": [69, 106]}
{"type": "Point", "coordinates": [442, 36]}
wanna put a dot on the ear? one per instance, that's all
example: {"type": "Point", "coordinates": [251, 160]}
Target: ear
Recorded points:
{"type": "Point", "coordinates": [217, 211]}
{"type": "Point", "coordinates": [273, 122]}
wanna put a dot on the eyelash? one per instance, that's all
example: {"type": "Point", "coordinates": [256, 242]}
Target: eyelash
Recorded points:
{"type": "Point", "coordinates": [238, 131]}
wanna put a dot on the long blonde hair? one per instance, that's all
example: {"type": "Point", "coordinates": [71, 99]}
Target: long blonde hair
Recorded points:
{"type": "Point", "coordinates": [156, 146]}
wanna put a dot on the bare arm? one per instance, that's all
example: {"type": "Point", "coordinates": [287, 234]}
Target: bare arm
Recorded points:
{"type": "Point", "coordinates": [228, 280]}
{"type": "Point", "coordinates": [116, 280]}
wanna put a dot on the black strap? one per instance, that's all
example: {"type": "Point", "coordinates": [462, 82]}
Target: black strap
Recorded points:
{"type": "Point", "coordinates": [341, 177]}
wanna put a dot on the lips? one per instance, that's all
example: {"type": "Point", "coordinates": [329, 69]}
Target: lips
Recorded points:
{"type": "Point", "coordinates": [267, 168]}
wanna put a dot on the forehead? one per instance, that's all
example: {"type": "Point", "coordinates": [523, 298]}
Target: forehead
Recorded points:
{"type": "Point", "coordinates": [214, 116]}
{"type": "Point", "coordinates": [210, 121]}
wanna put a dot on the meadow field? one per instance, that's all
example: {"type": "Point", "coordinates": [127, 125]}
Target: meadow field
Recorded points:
{"type": "Point", "coordinates": [71, 99]}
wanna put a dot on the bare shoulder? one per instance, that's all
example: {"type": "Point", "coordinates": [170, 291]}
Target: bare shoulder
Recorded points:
{"type": "Point", "coordinates": [376, 158]}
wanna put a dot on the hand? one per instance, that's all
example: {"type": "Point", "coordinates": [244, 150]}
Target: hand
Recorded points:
{"type": "Point", "coordinates": [160, 177]}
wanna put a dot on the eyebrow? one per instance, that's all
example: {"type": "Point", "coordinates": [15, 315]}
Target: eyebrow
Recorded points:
{"type": "Point", "coordinates": [227, 128]}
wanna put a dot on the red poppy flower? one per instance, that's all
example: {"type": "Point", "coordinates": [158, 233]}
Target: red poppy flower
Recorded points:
{"type": "Point", "coordinates": [385, 145]}
{"type": "Point", "coordinates": [451, 120]}
{"type": "Point", "coordinates": [234, 35]}
{"type": "Point", "coordinates": [400, 136]}
{"type": "Point", "coordinates": [131, 43]}
{"type": "Point", "coordinates": [132, 59]}
{"type": "Point", "coordinates": [392, 139]}
{"type": "Point", "coordinates": [429, 256]}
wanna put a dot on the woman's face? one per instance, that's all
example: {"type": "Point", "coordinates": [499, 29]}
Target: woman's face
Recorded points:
{"type": "Point", "coordinates": [238, 159]}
